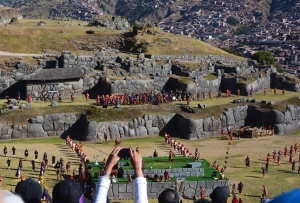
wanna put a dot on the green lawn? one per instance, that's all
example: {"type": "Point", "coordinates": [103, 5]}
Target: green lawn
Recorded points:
{"type": "Point", "coordinates": [162, 163]}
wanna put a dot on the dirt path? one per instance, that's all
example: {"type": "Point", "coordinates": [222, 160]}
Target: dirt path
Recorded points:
{"type": "Point", "coordinates": [2, 53]}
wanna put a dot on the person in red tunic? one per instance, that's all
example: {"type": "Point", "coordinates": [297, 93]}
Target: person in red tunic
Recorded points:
{"type": "Point", "coordinates": [285, 151]}
{"type": "Point", "coordinates": [29, 99]}
{"type": "Point", "coordinates": [223, 134]}
{"type": "Point", "coordinates": [275, 90]}
{"type": "Point", "coordinates": [87, 97]}
{"type": "Point", "coordinates": [235, 199]}
{"type": "Point", "coordinates": [202, 192]}
{"type": "Point", "coordinates": [166, 175]}
{"type": "Point", "coordinates": [210, 94]}
{"type": "Point", "coordinates": [230, 134]}
{"type": "Point", "coordinates": [274, 155]}
{"type": "Point", "coordinates": [268, 158]}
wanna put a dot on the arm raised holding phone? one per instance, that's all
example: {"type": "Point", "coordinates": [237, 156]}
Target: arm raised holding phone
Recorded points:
{"type": "Point", "coordinates": [140, 183]}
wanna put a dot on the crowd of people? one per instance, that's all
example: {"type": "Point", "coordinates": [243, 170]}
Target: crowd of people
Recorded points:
{"type": "Point", "coordinates": [98, 193]}
{"type": "Point", "coordinates": [143, 98]}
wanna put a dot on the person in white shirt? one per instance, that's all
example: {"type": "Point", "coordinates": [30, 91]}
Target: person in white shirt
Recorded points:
{"type": "Point", "coordinates": [140, 183]}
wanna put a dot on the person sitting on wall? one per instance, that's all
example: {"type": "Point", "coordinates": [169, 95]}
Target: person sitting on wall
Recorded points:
{"type": "Point", "coordinates": [166, 175]}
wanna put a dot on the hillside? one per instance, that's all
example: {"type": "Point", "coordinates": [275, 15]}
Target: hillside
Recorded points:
{"type": "Point", "coordinates": [133, 10]}
{"type": "Point", "coordinates": [28, 37]}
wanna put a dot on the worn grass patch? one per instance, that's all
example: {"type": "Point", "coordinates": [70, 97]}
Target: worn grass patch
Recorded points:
{"type": "Point", "coordinates": [169, 44]}
{"type": "Point", "coordinates": [27, 37]}
{"type": "Point", "coordinates": [210, 76]}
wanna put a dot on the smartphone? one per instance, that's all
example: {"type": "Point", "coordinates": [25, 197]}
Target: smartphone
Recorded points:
{"type": "Point", "coordinates": [124, 153]}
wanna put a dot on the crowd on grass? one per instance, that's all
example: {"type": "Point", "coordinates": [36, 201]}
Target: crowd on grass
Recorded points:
{"type": "Point", "coordinates": [80, 187]}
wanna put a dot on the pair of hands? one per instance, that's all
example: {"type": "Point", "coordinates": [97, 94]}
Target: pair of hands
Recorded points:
{"type": "Point", "coordinates": [135, 158]}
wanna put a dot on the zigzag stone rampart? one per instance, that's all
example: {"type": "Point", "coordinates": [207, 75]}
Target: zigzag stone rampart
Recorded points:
{"type": "Point", "coordinates": [80, 128]}
{"type": "Point", "coordinates": [109, 72]}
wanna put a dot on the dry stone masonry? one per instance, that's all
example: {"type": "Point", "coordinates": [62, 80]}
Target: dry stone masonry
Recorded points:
{"type": "Point", "coordinates": [107, 71]}
{"type": "Point", "coordinates": [188, 189]}
{"type": "Point", "coordinates": [80, 128]}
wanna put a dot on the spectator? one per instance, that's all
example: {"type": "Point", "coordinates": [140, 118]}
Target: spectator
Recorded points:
{"type": "Point", "coordinates": [168, 196]}
{"type": "Point", "coordinates": [68, 191]}
{"type": "Point", "coordinates": [140, 183]}
{"type": "Point", "coordinates": [220, 194]}
{"type": "Point", "coordinates": [29, 190]}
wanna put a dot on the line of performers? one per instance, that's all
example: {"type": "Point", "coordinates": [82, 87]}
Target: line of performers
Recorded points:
{"type": "Point", "coordinates": [180, 148]}
{"type": "Point", "coordinates": [78, 148]}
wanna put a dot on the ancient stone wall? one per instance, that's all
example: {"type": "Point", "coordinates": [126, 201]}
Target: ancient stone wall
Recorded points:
{"type": "Point", "coordinates": [283, 122]}
{"type": "Point", "coordinates": [65, 89]}
{"type": "Point", "coordinates": [40, 126]}
{"type": "Point", "coordinates": [188, 189]}
{"type": "Point", "coordinates": [205, 59]}
{"type": "Point", "coordinates": [179, 173]}
{"type": "Point", "coordinates": [176, 125]}
{"type": "Point", "coordinates": [130, 86]}
{"type": "Point", "coordinates": [104, 69]}
{"type": "Point", "coordinates": [283, 83]}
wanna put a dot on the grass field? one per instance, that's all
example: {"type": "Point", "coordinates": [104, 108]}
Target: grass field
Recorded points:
{"type": "Point", "coordinates": [280, 178]}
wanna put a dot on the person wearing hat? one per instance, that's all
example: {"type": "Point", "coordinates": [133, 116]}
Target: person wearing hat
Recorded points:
{"type": "Point", "coordinates": [220, 194]}
{"type": "Point", "coordinates": [29, 190]}
{"type": "Point", "coordinates": [140, 183]}
{"type": "Point", "coordinates": [68, 191]}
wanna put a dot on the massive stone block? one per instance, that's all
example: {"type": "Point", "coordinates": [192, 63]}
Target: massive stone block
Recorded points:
{"type": "Point", "coordinates": [288, 117]}
{"type": "Point", "coordinates": [278, 116]}
{"type": "Point", "coordinates": [16, 134]}
{"type": "Point", "coordinates": [48, 126]}
{"type": "Point", "coordinates": [91, 130]}
{"type": "Point", "coordinates": [279, 128]}
{"type": "Point", "coordinates": [36, 130]}
{"type": "Point", "coordinates": [114, 131]}
{"type": "Point", "coordinates": [229, 117]}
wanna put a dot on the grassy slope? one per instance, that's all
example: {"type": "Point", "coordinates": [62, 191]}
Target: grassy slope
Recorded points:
{"type": "Point", "coordinates": [164, 43]}
{"type": "Point", "coordinates": [27, 37]}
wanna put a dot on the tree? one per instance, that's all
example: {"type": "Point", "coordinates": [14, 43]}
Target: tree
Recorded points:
{"type": "Point", "coordinates": [263, 57]}
{"type": "Point", "coordinates": [242, 30]}
{"type": "Point", "coordinates": [232, 20]}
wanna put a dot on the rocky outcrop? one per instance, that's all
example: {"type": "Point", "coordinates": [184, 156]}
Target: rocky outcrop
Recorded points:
{"type": "Point", "coordinates": [111, 22]}
{"type": "Point", "coordinates": [7, 14]}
